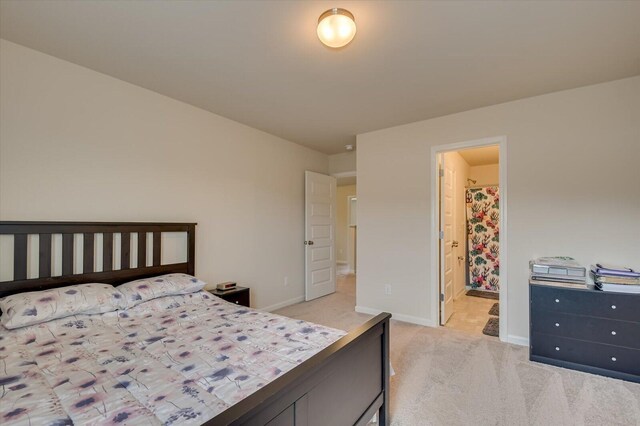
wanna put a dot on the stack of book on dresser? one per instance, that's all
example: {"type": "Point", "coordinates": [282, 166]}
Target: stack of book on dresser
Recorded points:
{"type": "Point", "coordinates": [561, 269]}
{"type": "Point", "coordinates": [615, 278]}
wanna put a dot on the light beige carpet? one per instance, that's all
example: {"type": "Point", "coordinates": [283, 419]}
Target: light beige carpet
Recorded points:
{"type": "Point", "coordinates": [447, 377]}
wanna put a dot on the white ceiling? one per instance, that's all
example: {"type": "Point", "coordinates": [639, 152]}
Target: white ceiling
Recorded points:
{"type": "Point", "coordinates": [260, 62]}
{"type": "Point", "coordinates": [481, 156]}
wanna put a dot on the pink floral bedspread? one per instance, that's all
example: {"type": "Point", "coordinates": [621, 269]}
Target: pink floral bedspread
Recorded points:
{"type": "Point", "coordinates": [172, 360]}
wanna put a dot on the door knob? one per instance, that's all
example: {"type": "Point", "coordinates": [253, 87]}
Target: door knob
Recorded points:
{"type": "Point", "coordinates": [310, 243]}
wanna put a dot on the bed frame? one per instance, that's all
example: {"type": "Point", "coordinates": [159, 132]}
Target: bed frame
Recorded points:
{"type": "Point", "coordinates": [346, 383]}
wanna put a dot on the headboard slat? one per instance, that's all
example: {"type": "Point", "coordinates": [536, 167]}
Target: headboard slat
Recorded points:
{"type": "Point", "coordinates": [44, 255]}
{"type": "Point", "coordinates": [88, 253]}
{"type": "Point", "coordinates": [20, 257]}
{"type": "Point", "coordinates": [142, 249]}
{"type": "Point", "coordinates": [107, 251]}
{"type": "Point", "coordinates": [67, 254]}
{"type": "Point", "coordinates": [125, 250]}
{"type": "Point", "coordinates": [157, 249]}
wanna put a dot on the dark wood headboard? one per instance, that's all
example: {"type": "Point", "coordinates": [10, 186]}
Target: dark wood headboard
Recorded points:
{"type": "Point", "coordinates": [88, 230]}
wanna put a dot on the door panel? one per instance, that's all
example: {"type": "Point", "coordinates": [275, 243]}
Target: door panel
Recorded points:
{"type": "Point", "coordinates": [320, 221]}
{"type": "Point", "coordinates": [322, 253]}
{"type": "Point", "coordinates": [322, 276]}
{"type": "Point", "coordinates": [321, 209]}
{"type": "Point", "coordinates": [321, 231]}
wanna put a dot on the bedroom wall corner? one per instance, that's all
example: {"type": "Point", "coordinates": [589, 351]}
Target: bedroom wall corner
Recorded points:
{"type": "Point", "coordinates": [82, 146]}
{"type": "Point", "coordinates": [573, 190]}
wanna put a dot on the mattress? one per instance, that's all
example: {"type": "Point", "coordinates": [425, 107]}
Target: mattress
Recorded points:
{"type": "Point", "coordinates": [172, 360]}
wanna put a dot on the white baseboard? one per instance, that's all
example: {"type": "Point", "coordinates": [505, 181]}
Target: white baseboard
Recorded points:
{"type": "Point", "coordinates": [516, 340]}
{"type": "Point", "coordinates": [284, 304]}
{"type": "Point", "coordinates": [400, 317]}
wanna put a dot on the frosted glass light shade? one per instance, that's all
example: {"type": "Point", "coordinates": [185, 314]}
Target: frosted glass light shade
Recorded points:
{"type": "Point", "coordinates": [336, 27]}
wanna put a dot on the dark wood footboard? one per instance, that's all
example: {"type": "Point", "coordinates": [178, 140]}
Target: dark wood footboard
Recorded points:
{"type": "Point", "coordinates": [345, 384]}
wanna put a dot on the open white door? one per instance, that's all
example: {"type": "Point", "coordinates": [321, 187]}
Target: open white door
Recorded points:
{"type": "Point", "coordinates": [320, 224]}
{"type": "Point", "coordinates": [446, 241]}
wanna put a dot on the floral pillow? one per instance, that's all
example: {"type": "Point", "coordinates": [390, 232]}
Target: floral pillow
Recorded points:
{"type": "Point", "coordinates": [139, 291]}
{"type": "Point", "coordinates": [22, 309]}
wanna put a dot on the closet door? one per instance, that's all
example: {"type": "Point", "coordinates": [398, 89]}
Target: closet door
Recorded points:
{"type": "Point", "coordinates": [320, 224]}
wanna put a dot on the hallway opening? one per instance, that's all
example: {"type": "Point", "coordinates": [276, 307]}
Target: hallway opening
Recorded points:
{"type": "Point", "coordinates": [346, 226]}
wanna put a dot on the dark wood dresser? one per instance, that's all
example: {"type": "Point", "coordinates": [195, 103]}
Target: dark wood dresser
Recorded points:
{"type": "Point", "coordinates": [585, 329]}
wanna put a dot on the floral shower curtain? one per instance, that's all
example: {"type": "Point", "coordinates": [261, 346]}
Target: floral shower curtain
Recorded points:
{"type": "Point", "coordinates": [483, 238]}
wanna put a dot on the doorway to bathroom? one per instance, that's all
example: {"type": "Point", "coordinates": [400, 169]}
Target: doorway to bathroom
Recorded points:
{"type": "Point", "coordinates": [469, 221]}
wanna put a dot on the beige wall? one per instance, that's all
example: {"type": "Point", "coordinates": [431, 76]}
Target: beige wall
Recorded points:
{"type": "Point", "coordinates": [342, 222]}
{"type": "Point", "coordinates": [573, 189]}
{"type": "Point", "coordinates": [342, 163]}
{"type": "Point", "coordinates": [488, 174]}
{"type": "Point", "coordinates": [79, 145]}
{"type": "Point", "coordinates": [461, 169]}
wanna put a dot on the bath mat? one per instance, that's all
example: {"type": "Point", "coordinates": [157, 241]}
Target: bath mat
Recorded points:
{"type": "Point", "coordinates": [495, 310]}
{"type": "Point", "coordinates": [492, 328]}
{"type": "Point", "coordinates": [484, 294]}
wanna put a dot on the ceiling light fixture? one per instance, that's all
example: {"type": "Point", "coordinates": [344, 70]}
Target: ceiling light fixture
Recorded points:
{"type": "Point", "coordinates": [336, 27]}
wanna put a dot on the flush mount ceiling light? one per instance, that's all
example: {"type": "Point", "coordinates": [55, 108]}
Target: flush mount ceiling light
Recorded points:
{"type": "Point", "coordinates": [336, 27]}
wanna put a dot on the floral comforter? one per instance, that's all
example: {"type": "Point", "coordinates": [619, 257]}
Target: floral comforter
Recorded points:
{"type": "Point", "coordinates": [172, 360]}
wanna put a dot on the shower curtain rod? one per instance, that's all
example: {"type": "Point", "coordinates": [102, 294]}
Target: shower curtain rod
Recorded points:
{"type": "Point", "coordinates": [481, 186]}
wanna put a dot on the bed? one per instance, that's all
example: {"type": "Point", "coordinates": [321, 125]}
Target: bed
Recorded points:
{"type": "Point", "coordinates": [180, 359]}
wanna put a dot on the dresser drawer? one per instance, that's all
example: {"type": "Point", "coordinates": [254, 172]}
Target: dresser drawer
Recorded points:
{"type": "Point", "coordinates": [608, 357]}
{"type": "Point", "coordinates": [239, 298]}
{"type": "Point", "coordinates": [586, 302]}
{"type": "Point", "coordinates": [600, 330]}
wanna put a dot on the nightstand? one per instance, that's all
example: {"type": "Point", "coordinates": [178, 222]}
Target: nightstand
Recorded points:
{"type": "Point", "coordinates": [239, 295]}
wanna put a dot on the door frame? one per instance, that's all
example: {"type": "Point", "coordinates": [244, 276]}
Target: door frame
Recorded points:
{"type": "Point", "coordinates": [351, 173]}
{"type": "Point", "coordinates": [352, 266]}
{"type": "Point", "coordinates": [434, 287]}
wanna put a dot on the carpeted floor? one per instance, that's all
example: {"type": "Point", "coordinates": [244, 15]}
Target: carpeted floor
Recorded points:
{"type": "Point", "coordinates": [447, 377]}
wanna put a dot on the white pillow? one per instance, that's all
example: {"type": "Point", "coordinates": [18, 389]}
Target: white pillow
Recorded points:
{"type": "Point", "coordinates": [22, 309]}
{"type": "Point", "coordinates": [139, 291]}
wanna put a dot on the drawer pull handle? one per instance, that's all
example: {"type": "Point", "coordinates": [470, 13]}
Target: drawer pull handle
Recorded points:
{"type": "Point", "coordinates": [557, 324]}
{"type": "Point", "coordinates": [557, 300]}
{"type": "Point", "coordinates": [613, 306]}
{"type": "Point", "coordinates": [613, 333]}
{"type": "Point", "coordinates": [614, 359]}
{"type": "Point", "coordinates": [557, 348]}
